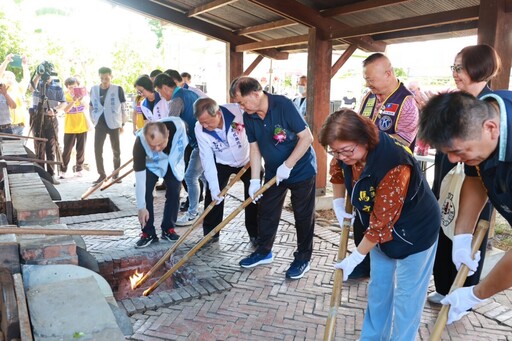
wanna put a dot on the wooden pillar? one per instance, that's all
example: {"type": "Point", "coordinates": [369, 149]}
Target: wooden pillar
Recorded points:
{"type": "Point", "coordinates": [235, 66]}
{"type": "Point", "coordinates": [318, 98]}
{"type": "Point", "coordinates": [495, 29]}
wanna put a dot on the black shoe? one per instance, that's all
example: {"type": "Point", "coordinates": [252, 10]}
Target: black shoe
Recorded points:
{"type": "Point", "coordinates": [184, 206]}
{"type": "Point", "coordinates": [99, 180]}
{"type": "Point", "coordinates": [297, 269]}
{"type": "Point", "coordinates": [161, 187]}
{"type": "Point", "coordinates": [170, 236]}
{"type": "Point", "coordinates": [146, 240]}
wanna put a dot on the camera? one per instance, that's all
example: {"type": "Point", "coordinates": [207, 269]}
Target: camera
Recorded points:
{"type": "Point", "coordinates": [46, 70]}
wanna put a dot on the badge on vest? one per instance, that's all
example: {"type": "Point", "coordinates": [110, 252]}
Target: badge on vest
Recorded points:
{"type": "Point", "coordinates": [390, 109]}
{"type": "Point", "coordinates": [385, 123]}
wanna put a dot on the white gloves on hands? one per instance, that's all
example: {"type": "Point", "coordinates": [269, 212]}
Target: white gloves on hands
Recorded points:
{"type": "Point", "coordinates": [283, 173]}
{"type": "Point", "coordinates": [215, 196]}
{"type": "Point", "coordinates": [460, 301]}
{"type": "Point", "coordinates": [254, 186]}
{"type": "Point", "coordinates": [349, 263]}
{"type": "Point", "coordinates": [338, 205]}
{"type": "Point", "coordinates": [461, 252]}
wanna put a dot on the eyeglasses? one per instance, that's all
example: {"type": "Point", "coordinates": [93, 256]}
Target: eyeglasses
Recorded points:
{"type": "Point", "coordinates": [343, 152]}
{"type": "Point", "coordinates": [457, 68]}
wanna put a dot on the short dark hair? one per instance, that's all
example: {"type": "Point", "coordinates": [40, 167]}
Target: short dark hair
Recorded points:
{"type": "Point", "coordinates": [70, 81]}
{"type": "Point", "coordinates": [104, 70]}
{"type": "Point", "coordinates": [174, 75]}
{"type": "Point", "coordinates": [186, 74]}
{"type": "Point", "coordinates": [155, 73]}
{"type": "Point", "coordinates": [145, 82]}
{"type": "Point", "coordinates": [455, 115]}
{"type": "Point", "coordinates": [164, 79]}
{"type": "Point", "coordinates": [347, 125]}
{"type": "Point", "coordinates": [245, 85]}
{"type": "Point", "coordinates": [205, 104]}
{"type": "Point", "coordinates": [373, 57]}
{"type": "Point", "coordinates": [481, 62]}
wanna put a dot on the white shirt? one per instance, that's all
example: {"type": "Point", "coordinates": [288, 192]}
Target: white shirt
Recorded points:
{"type": "Point", "coordinates": [230, 147]}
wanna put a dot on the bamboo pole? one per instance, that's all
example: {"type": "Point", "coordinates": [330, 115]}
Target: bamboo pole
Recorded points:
{"type": "Point", "coordinates": [442, 318]}
{"type": "Point", "coordinates": [20, 137]}
{"type": "Point", "coordinates": [338, 275]}
{"type": "Point", "coordinates": [115, 181]}
{"type": "Point", "coordinates": [189, 230]}
{"type": "Point", "coordinates": [209, 236]}
{"type": "Point", "coordinates": [94, 188]}
{"type": "Point", "coordinates": [27, 159]}
{"type": "Point", "coordinates": [65, 232]}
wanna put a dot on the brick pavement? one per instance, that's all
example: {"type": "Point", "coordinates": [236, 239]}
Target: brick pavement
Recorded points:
{"type": "Point", "coordinates": [226, 302]}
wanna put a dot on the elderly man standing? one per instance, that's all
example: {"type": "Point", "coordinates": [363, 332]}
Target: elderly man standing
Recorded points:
{"type": "Point", "coordinates": [108, 114]}
{"type": "Point", "coordinates": [278, 133]}
{"type": "Point", "coordinates": [224, 150]}
{"type": "Point", "coordinates": [393, 109]}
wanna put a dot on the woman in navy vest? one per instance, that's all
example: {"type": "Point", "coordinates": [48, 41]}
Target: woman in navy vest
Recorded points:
{"type": "Point", "coordinates": [396, 206]}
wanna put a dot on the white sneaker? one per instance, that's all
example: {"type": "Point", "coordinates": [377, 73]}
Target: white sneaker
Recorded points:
{"type": "Point", "coordinates": [79, 174]}
{"type": "Point", "coordinates": [435, 298]}
{"type": "Point", "coordinates": [187, 219]}
{"type": "Point", "coordinates": [64, 176]}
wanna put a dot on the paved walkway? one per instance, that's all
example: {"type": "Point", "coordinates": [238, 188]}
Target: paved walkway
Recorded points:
{"type": "Point", "coordinates": [225, 302]}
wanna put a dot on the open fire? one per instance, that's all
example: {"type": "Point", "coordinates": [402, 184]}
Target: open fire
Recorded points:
{"type": "Point", "coordinates": [135, 278]}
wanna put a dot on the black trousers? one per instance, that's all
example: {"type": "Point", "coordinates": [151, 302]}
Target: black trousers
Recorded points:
{"type": "Point", "coordinates": [46, 150]}
{"type": "Point", "coordinates": [303, 204]}
{"type": "Point", "coordinates": [216, 215]}
{"type": "Point", "coordinates": [69, 143]}
{"type": "Point", "coordinates": [100, 135]}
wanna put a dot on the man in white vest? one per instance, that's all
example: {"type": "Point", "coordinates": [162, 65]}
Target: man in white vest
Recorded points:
{"type": "Point", "coordinates": [108, 115]}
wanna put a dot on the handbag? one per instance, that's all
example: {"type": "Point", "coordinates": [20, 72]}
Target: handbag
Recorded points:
{"type": "Point", "coordinates": [449, 196]}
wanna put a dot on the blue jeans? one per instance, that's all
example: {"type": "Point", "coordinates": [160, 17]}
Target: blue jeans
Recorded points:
{"type": "Point", "coordinates": [172, 201]}
{"type": "Point", "coordinates": [192, 174]}
{"type": "Point", "coordinates": [396, 295]}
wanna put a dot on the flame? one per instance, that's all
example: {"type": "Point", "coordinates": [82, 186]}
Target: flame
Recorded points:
{"type": "Point", "coordinates": [135, 278]}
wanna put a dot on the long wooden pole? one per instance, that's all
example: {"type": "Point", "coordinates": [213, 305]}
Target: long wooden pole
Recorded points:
{"type": "Point", "coordinates": [34, 230]}
{"type": "Point", "coordinates": [442, 318]}
{"type": "Point", "coordinates": [209, 236]}
{"type": "Point", "coordinates": [338, 275]}
{"type": "Point", "coordinates": [189, 230]}
{"type": "Point", "coordinates": [115, 181]}
{"type": "Point", "coordinates": [27, 159]}
{"type": "Point", "coordinates": [94, 188]}
{"type": "Point", "coordinates": [20, 137]}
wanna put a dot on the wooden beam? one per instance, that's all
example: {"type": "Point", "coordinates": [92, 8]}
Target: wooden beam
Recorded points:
{"type": "Point", "coordinates": [209, 6]}
{"type": "Point", "coordinates": [465, 14]}
{"type": "Point", "coordinates": [266, 27]}
{"type": "Point", "coordinates": [342, 59]}
{"type": "Point", "coordinates": [162, 11]}
{"type": "Point", "coordinates": [494, 29]}
{"type": "Point", "coordinates": [359, 6]}
{"type": "Point", "coordinates": [273, 43]}
{"type": "Point", "coordinates": [253, 65]}
{"type": "Point", "coordinates": [428, 31]}
{"type": "Point", "coordinates": [234, 67]}
{"type": "Point", "coordinates": [312, 18]}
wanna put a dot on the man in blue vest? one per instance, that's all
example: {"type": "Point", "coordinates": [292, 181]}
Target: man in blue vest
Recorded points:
{"type": "Point", "coordinates": [478, 133]}
{"type": "Point", "coordinates": [182, 105]}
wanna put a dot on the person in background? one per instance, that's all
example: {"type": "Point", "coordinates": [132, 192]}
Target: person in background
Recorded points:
{"type": "Point", "coordinates": [349, 100]}
{"type": "Point", "coordinates": [224, 150]}
{"type": "Point", "coordinates": [187, 78]}
{"type": "Point", "coordinates": [279, 134]}
{"type": "Point", "coordinates": [158, 153]}
{"type": "Point", "coordinates": [75, 127]}
{"type": "Point", "coordinates": [473, 68]}
{"type": "Point", "coordinates": [138, 118]}
{"type": "Point", "coordinates": [400, 216]}
{"type": "Point", "coordinates": [6, 104]}
{"type": "Point", "coordinates": [393, 110]}
{"type": "Point", "coordinates": [46, 126]}
{"type": "Point", "coordinates": [181, 83]}
{"type": "Point", "coordinates": [107, 110]}
{"type": "Point", "coordinates": [300, 101]}
{"type": "Point", "coordinates": [17, 92]}
{"type": "Point", "coordinates": [154, 73]}
{"type": "Point", "coordinates": [477, 132]}
{"type": "Point", "coordinates": [182, 105]}
{"type": "Point", "coordinates": [150, 109]}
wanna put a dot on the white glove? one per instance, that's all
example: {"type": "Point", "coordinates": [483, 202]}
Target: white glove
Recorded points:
{"type": "Point", "coordinates": [349, 263]}
{"type": "Point", "coordinates": [215, 196]}
{"type": "Point", "coordinates": [253, 188]}
{"type": "Point", "coordinates": [338, 205]}
{"type": "Point", "coordinates": [460, 301]}
{"type": "Point", "coordinates": [283, 173]}
{"type": "Point", "coordinates": [461, 252]}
